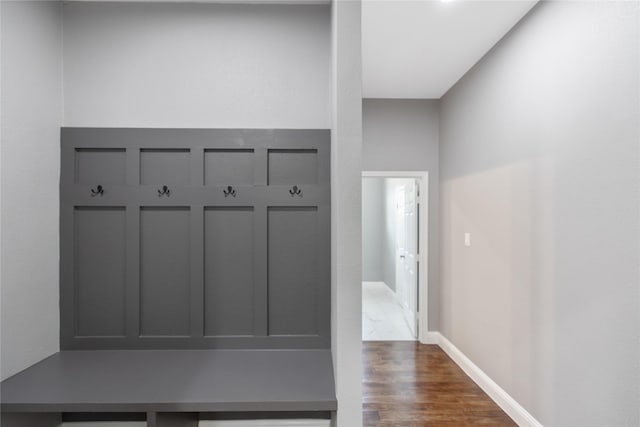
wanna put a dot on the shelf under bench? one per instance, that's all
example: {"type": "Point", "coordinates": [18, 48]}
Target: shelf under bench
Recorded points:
{"type": "Point", "coordinates": [174, 381]}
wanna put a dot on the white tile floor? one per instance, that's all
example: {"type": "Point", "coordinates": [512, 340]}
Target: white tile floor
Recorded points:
{"type": "Point", "coordinates": [382, 318]}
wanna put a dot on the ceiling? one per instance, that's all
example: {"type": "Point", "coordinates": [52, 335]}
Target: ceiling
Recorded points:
{"type": "Point", "coordinates": [421, 48]}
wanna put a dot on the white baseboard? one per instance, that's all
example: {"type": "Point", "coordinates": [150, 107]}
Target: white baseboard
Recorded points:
{"type": "Point", "coordinates": [495, 392]}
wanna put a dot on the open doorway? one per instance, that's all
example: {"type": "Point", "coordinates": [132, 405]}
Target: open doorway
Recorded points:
{"type": "Point", "coordinates": [394, 276]}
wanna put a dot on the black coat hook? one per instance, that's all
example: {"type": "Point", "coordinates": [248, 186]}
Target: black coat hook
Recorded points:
{"type": "Point", "coordinates": [229, 191]}
{"type": "Point", "coordinates": [295, 191]}
{"type": "Point", "coordinates": [97, 191]}
{"type": "Point", "coordinates": [164, 192]}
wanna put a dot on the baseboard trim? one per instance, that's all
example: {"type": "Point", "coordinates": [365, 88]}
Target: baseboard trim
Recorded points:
{"type": "Point", "coordinates": [508, 404]}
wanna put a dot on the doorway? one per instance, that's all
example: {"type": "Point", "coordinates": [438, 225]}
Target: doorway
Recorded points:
{"type": "Point", "coordinates": [394, 275]}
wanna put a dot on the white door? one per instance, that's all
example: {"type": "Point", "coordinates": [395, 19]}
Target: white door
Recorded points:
{"type": "Point", "coordinates": [407, 252]}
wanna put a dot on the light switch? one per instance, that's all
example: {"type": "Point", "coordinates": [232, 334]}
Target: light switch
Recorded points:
{"type": "Point", "coordinates": [467, 239]}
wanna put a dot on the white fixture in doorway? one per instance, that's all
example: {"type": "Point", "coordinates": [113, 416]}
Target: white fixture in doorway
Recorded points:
{"type": "Point", "coordinates": [407, 204]}
{"type": "Point", "coordinates": [414, 260]}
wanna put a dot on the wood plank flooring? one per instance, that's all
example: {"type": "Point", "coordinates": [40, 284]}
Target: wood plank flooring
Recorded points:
{"type": "Point", "coordinates": [407, 384]}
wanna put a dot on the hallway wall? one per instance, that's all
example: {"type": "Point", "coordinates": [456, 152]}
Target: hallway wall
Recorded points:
{"type": "Point", "coordinates": [540, 162]}
{"type": "Point", "coordinates": [403, 135]}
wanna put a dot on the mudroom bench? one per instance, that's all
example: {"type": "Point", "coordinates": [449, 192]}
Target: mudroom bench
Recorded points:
{"type": "Point", "coordinates": [171, 387]}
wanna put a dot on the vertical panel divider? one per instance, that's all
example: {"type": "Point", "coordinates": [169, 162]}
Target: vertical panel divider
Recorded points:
{"type": "Point", "coordinates": [260, 167]}
{"type": "Point", "coordinates": [260, 246]}
{"type": "Point", "coordinates": [197, 271]}
{"type": "Point", "coordinates": [133, 166]}
{"type": "Point", "coordinates": [260, 270]}
{"type": "Point", "coordinates": [197, 247]}
{"type": "Point", "coordinates": [197, 166]}
{"type": "Point", "coordinates": [132, 243]}
{"type": "Point", "coordinates": [133, 271]}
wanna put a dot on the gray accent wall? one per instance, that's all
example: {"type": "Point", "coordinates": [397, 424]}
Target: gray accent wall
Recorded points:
{"type": "Point", "coordinates": [403, 135]}
{"type": "Point", "coordinates": [31, 104]}
{"type": "Point", "coordinates": [540, 163]}
{"type": "Point", "coordinates": [171, 256]}
{"type": "Point", "coordinates": [373, 223]}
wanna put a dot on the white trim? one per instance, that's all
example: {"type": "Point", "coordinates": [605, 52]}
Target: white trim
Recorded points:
{"type": "Point", "coordinates": [508, 404]}
{"type": "Point", "coordinates": [423, 303]}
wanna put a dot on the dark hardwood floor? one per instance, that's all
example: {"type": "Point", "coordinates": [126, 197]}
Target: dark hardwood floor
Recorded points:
{"type": "Point", "coordinates": [407, 384]}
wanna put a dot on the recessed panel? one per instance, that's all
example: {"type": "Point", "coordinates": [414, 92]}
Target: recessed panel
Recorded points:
{"type": "Point", "coordinates": [164, 271]}
{"type": "Point", "coordinates": [228, 167]}
{"type": "Point", "coordinates": [164, 167]}
{"type": "Point", "coordinates": [100, 267]}
{"type": "Point", "coordinates": [293, 167]}
{"type": "Point", "coordinates": [293, 270]}
{"type": "Point", "coordinates": [100, 166]}
{"type": "Point", "coordinates": [228, 261]}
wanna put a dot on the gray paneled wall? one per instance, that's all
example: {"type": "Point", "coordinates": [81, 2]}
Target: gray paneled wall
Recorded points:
{"type": "Point", "coordinates": [194, 238]}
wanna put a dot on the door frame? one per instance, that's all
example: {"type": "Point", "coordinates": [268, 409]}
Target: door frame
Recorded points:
{"type": "Point", "coordinates": [423, 242]}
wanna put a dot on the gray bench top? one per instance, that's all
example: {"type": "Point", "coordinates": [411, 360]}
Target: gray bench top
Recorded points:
{"type": "Point", "coordinates": [174, 380]}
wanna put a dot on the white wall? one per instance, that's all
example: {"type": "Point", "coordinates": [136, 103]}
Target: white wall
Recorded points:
{"type": "Point", "coordinates": [373, 223]}
{"type": "Point", "coordinates": [346, 218]}
{"type": "Point", "coordinates": [31, 106]}
{"type": "Point", "coordinates": [540, 162]}
{"type": "Point", "coordinates": [197, 65]}
{"type": "Point", "coordinates": [403, 135]}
